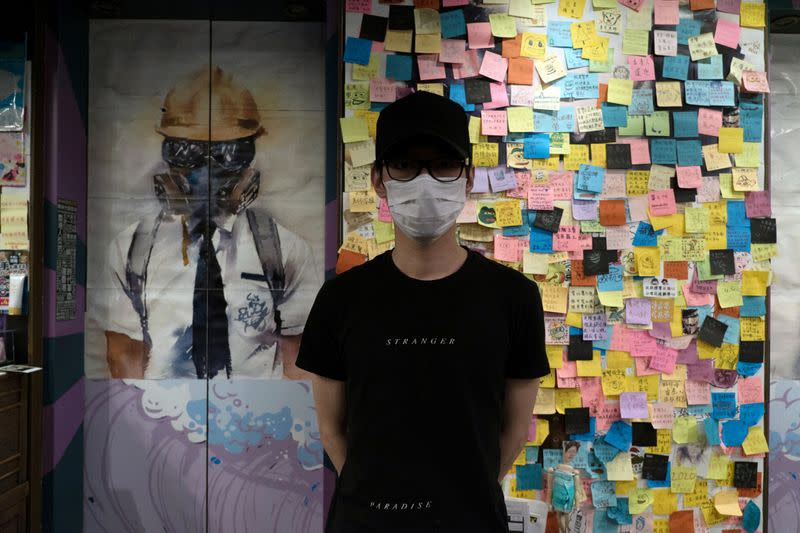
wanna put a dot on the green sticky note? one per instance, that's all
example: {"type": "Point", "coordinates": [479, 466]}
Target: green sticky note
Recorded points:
{"type": "Point", "coordinates": [635, 126]}
{"type": "Point", "coordinates": [635, 42]}
{"type": "Point", "coordinates": [657, 124]}
{"type": "Point", "coordinates": [602, 66]}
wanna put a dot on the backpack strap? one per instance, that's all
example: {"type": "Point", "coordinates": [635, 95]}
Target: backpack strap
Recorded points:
{"type": "Point", "coordinates": [268, 247]}
{"type": "Point", "coordinates": [136, 269]}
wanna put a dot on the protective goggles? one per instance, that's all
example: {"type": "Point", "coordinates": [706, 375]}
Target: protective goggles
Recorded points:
{"type": "Point", "coordinates": [230, 155]}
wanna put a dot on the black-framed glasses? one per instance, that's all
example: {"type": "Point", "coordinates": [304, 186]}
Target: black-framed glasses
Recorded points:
{"type": "Point", "coordinates": [187, 153]}
{"type": "Point", "coordinates": [444, 169]}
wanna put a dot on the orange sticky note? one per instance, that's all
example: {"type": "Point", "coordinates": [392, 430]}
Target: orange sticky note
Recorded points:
{"type": "Point", "coordinates": [348, 259]}
{"type": "Point", "coordinates": [520, 71]}
{"type": "Point", "coordinates": [612, 212]}
{"type": "Point", "coordinates": [511, 47]}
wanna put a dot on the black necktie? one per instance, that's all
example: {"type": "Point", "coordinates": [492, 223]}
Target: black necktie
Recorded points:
{"type": "Point", "coordinates": [210, 350]}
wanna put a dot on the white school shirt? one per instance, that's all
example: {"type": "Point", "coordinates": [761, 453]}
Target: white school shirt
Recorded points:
{"type": "Point", "coordinates": [168, 296]}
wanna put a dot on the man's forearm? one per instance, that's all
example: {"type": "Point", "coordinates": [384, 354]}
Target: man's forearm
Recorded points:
{"type": "Point", "coordinates": [510, 447]}
{"type": "Point", "coordinates": [335, 445]}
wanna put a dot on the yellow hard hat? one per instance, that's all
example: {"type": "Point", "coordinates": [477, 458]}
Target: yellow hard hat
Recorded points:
{"type": "Point", "coordinates": [233, 112]}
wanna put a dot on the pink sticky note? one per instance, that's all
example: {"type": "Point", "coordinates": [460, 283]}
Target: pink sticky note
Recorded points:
{"type": "Point", "coordinates": [561, 182]}
{"type": "Point", "coordinates": [358, 6]}
{"type": "Point", "coordinates": [636, 5]}
{"type": "Point", "coordinates": [384, 215]}
{"type": "Point", "coordinates": [540, 197]}
{"type": "Point", "coordinates": [479, 35]}
{"type": "Point", "coordinates": [637, 207]}
{"type": "Point", "coordinates": [506, 249]}
{"type": "Point", "coordinates": [502, 178]}
{"type": "Point", "coordinates": [607, 414]}
{"type": "Point", "coordinates": [620, 338]}
{"type": "Point", "coordinates": [728, 6]}
{"type": "Point", "coordinates": [642, 68]}
{"type": "Point", "coordinates": [666, 12]}
{"type": "Point", "coordinates": [661, 202]}
{"type": "Point", "coordinates": [640, 151]}
{"type": "Point", "coordinates": [494, 123]}
{"type": "Point", "coordinates": [377, 47]}
{"type": "Point", "coordinates": [757, 204]}
{"type": "Point", "coordinates": [633, 405]}
{"type": "Point", "coordinates": [591, 394]}
{"type": "Point", "coordinates": [493, 66]}
{"type": "Point", "coordinates": [695, 298]}
{"type": "Point", "coordinates": [523, 178]}
{"type": "Point", "coordinates": [689, 177]}
{"type": "Point", "coordinates": [637, 311]}
{"type": "Point", "coordinates": [663, 415]}
{"type": "Point", "coordinates": [643, 367]}
{"type": "Point", "coordinates": [755, 81]}
{"type": "Point", "coordinates": [697, 392]}
{"type": "Point", "coordinates": [750, 390]}
{"type": "Point", "coordinates": [709, 190]}
{"type": "Point", "coordinates": [642, 344]}
{"type": "Point", "coordinates": [569, 369]}
{"type": "Point", "coordinates": [727, 33]}
{"type": "Point", "coordinates": [429, 67]}
{"type": "Point", "coordinates": [532, 430]}
{"type": "Point", "coordinates": [453, 51]}
{"type": "Point", "coordinates": [709, 121]}
{"type": "Point", "coordinates": [664, 359]}
{"type": "Point", "coordinates": [469, 68]}
{"type": "Point", "coordinates": [499, 96]}
{"type": "Point", "coordinates": [382, 90]}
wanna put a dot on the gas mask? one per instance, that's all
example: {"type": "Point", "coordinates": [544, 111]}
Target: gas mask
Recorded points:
{"type": "Point", "coordinates": [424, 208]}
{"type": "Point", "coordinates": [202, 173]}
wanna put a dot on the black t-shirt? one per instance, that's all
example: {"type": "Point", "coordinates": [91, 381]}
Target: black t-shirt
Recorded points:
{"type": "Point", "coordinates": [425, 363]}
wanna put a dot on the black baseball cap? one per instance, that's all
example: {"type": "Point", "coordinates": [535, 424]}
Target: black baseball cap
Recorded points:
{"type": "Point", "coordinates": [422, 114]}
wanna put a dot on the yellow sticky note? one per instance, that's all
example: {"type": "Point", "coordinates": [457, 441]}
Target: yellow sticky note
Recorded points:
{"type": "Point", "coordinates": [533, 263]}
{"type": "Point", "coordinates": [620, 468]}
{"type": "Point", "coordinates": [545, 402]}
{"type": "Point", "coordinates": [754, 282]}
{"type": "Point", "coordinates": [750, 158]}
{"type": "Point", "coordinates": [714, 158]}
{"type": "Point", "coordinates": [555, 355]}
{"type": "Point", "coordinates": [427, 43]}
{"type": "Point", "coordinates": [726, 502]}
{"type": "Point", "coordinates": [718, 466]}
{"type": "Point", "coordinates": [755, 442]}
{"type": "Point", "coordinates": [648, 260]}
{"type": "Point", "coordinates": [578, 155]}
{"type": "Point", "coordinates": [503, 25]}
{"type": "Point", "coordinates": [520, 119]}
{"type": "Point", "coordinates": [595, 48]}
{"type": "Point", "coordinates": [549, 380]}
{"type": "Point", "coordinates": [571, 8]}
{"type": "Point", "coordinates": [567, 399]}
{"type": "Point", "coordinates": [664, 502]}
{"type": "Point", "coordinates": [682, 479]}
{"type": "Point", "coordinates": [542, 431]}
{"type": "Point", "coordinates": [726, 187]}
{"type": "Point", "coordinates": [426, 21]}
{"type": "Point", "coordinates": [354, 129]}
{"type": "Point", "coordinates": [485, 154]}
{"type": "Point", "coordinates": [598, 152]}
{"type": "Point", "coordinates": [664, 442]}
{"type": "Point", "coordinates": [475, 136]}
{"type": "Point", "coordinates": [702, 46]}
{"type": "Point", "coordinates": [554, 298]}
{"type": "Point", "coordinates": [752, 328]}
{"type": "Point", "coordinates": [590, 368]}
{"type": "Point", "coordinates": [397, 41]}
{"type": "Point", "coordinates": [731, 140]}
{"type": "Point", "coordinates": [752, 14]}
{"type": "Point", "coordinates": [508, 213]}
{"type": "Point", "coordinates": [684, 429]}
{"type": "Point", "coordinates": [611, 298]}
{"type": "Point", "coordinates": [620, 91]}
{"type": "Point", "coordinates": [614, 381]}
{"type": "Point", "coordinates": [696, 219]}
{"type": "Point", "coordinates": [668, 94]}
{"type": "Point", "coordinates": [582, 32]}
{"type": "Point", "coordinates": [384, 231]}
{"type": "Point", "coordinates": [616, 360]}
{"type": "Point", "coordinates": [639, 500]}
{"type": "Point", "coordinates": [533, 45]}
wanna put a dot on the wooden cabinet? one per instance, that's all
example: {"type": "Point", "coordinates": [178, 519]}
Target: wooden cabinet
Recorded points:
{"type": "Point", "coordinates": [14, 485]}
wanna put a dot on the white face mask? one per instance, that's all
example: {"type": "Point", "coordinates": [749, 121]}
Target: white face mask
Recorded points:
{"type": "Point", "coordinates": [425, 208]}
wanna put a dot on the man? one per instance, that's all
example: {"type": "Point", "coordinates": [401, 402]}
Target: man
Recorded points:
{"type": "Point", "coordinates": [206, 285]}
{"type": "Point", "coordinates": [427, 357]}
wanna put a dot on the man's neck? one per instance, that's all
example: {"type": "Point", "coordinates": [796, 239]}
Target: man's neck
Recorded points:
{"type": "Point", "coordinates": [428, 260]}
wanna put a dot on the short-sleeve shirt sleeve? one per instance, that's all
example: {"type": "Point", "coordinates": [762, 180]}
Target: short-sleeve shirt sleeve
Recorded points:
{"type": "Point", "coordinates": [527, 358]}
{"type": "Point", "coordinates": [320, 347]}
{"type": "Point", "coordinates": [302, 282]}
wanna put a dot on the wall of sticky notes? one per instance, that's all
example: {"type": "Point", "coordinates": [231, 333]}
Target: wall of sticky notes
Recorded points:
{"type": "Point", "coordinates": [618, 150]}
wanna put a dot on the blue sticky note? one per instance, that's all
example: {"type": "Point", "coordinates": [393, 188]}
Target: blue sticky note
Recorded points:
{"type": "Point", "coordinates": [596, 469]}
{"type": "Point", "coordinates": [585, 86]}
{"type": "Point", "coordinates": [720, 93]}
{"type": "Point", "coordinates": [604, 451]}
{"type": "Point", "coordinates": [378, 106]}
{"type": "Point", "coordinates": [685, 123]}
{"type": "Point", "coordinates": [531, 454]}
{"type": "Point", "coordinates": [585, 436]}
{"type": "Point", "coordinates": [699, 410]}
{"type": "Point", "coordinates": [663, 151]}
{"type": "Point", "coordinates": [748, 369]}
{"type": "Point", "coordinates": [604, 345]}
{"type": "Point", "coordinates": [690, 153]}
{"type": "Point", "coordinates": [712, 431]}
{"type": "Point", "coordinates": [737, 214]}
{"type": "Point", "coordinates": [611, 281]}
{"type": "Point", "coordinates": [620, 513]}
{"type": "Point", "coordinates": [551, 458]}
{"type": "Point", "coordinates": [590, 178]}
{"type": "Point", "coordinates": [753, 306]}
{"type": "Point", "coordinates": [738, 239]}
{"type": "Point", "coordinates": [710, 68]}
{"type": "Point", "coordinates": [573, 58]}
{"type": "Point", "coordinates": [751, 517]}
{"type": "Point", "coordinates": [541, 241]}
{"type": "Point", "coordinates": [517, 231]}
{"type": "Point", "coordinates": [537, 146]}
{"type": "Point", "coordinates": [661, 483]}
{"type": "Point", "coordinates": [733, 432]}
{"type": "Point", "coordinates": [581, 459]}
{"type": "Point", "coordinates": [641, 102]}
{"type": "Point", "coordinates": [688, 28]}
{"type": "Point", "coordinates": [614, 115]}
{"type": "Point", "coordinates": [732, 333]}
{"type": "Point", "coordinates": [601, 523]}
{"type": "Point", "coordinates": [751, 121]}
{"type": "Point", "coordinates": [723, 405]}
{"type": "Point", "coordinates": [544, 121]}
{"type": "Point", "coordinates": [564, 121]}
{"type": "Point", "coordinates": [452, 23]}
{"type": "Point", "coordinates": [559, 34]}
{"type": "Point", "coordinates": [399, 67]}
{"type": "Point", "coordinates": [575, 331]}
{"type": "Point", "coordinates": [620, 435]}
{"type": "Point", "coordinates": [529, 477]}
{"type": "Point", "coordinates": [566, 85]}
{"type": "Point", "coordinates": [676, 67]}
{"type": "Point", "coordinates": [459, 95]}
{"type": "Point", "coordinates": [645, 235]}
{"type": "Point", "coordinates": [697, 92]}
{"type": "Point", "coordinates": [357, 50]}
{"type": "Point", "coordinates": [604, 494]}
{"type": "Point", "coordinates": [751, 413]}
